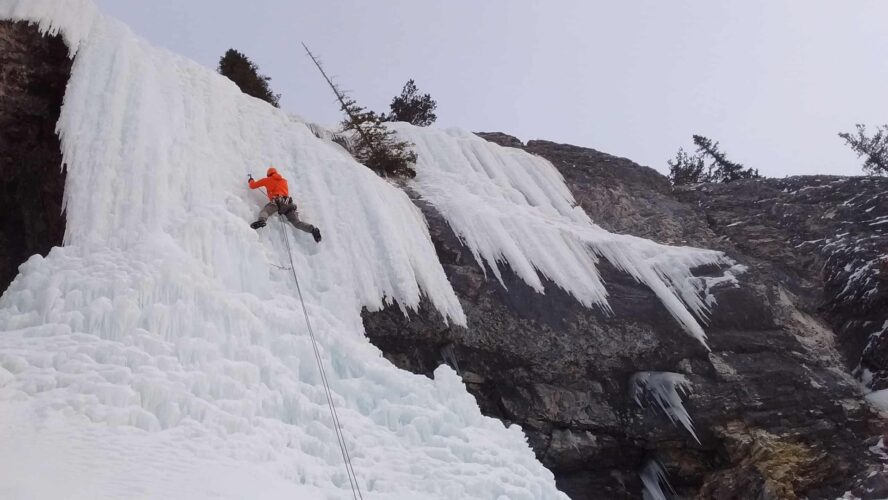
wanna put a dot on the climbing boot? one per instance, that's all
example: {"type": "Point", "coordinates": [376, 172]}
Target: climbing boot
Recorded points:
{"type": "Point", "coordinates": [316, 233]}
{"type": "Point", "coordinates": [259, 223]}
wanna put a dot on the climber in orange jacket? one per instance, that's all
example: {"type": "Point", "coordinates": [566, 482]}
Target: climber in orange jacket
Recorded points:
{"type": "Point", "coordinates": [279, 201]}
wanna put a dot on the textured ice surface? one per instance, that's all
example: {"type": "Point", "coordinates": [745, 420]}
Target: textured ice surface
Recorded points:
{"type": "Point", "coordinates": [161, 354]}
{"type": "Point", "coordinates": [511, 207]}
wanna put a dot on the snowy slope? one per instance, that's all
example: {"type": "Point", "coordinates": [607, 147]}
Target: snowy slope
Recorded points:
{"type": "Point", "coordinates": [161, 354]}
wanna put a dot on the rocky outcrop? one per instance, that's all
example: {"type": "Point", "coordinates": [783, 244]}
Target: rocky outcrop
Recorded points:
{"type": "Point", "coordinates": [828, 238]}
{"type": "Point", "coordinates": [774, 407]}
{"type": "Point", "coordinates": [33, 73]}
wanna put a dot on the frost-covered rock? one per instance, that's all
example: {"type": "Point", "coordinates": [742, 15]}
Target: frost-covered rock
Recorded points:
{"type": "Point", "coordinates": [826, 238]}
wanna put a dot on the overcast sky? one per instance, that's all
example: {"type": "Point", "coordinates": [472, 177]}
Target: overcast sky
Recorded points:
{"type": "Point", "coordinates": [772, 80]}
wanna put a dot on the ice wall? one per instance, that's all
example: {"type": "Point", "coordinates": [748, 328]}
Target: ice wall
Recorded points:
{"type": "Point", "coordinates": [162, 352]}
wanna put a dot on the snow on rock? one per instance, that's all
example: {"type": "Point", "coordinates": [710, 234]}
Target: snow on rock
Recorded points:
{"type": "Point", "coordinates": [729, 278]}
{"type": "Point", "coordinates": [73, 18]}
{"type": "Point", "coordinates": [511, 207]}
{"type": "Point", "coordinates": [879, 399]}
{"type": "Point", "coordinates": [162, 352]}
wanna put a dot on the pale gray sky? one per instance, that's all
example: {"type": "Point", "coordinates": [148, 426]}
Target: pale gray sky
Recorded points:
{"type": "Point", "coordinates": [772, 80]}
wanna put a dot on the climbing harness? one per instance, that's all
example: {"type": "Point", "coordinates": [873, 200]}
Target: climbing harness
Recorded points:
{"type": "Point", "coordinates": [346, 457]}
{"type": "Point", "coordinates": [284, 204]}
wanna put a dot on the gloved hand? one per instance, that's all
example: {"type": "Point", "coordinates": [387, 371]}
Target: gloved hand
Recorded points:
{"type": "Point", "coordinates": [250, 176]}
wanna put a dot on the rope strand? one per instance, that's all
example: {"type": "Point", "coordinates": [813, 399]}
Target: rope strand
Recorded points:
{"type": "Point", "coordinates": [337, 427]}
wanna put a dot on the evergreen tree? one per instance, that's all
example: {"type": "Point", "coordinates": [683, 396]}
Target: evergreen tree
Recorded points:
{"type": "Point", "coordinates": [874, 148]}
{"type": "Point", "coordinates": [721, 169]}
{"type": "Point", "coordinates": [239, 69]}
{"type": "Point", "coordinates": [686, 169]}
{"type": "Point", "coordinates": [373, 144]}
{"type": "Point", "coordinates": [412, 108]}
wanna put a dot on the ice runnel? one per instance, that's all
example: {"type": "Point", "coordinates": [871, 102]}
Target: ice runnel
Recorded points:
{"type": "Point", "coordinates": [162, 354]}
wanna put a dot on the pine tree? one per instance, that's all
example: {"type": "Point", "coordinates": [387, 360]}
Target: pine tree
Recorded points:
{"type": "Point", "coordinates": [721, 169]}
{"type": "Point", "coordinates": [412, 108]}
{"type": "Point", "coordinates": [874, 148]}
{"type": "Point", "coordinates": [686, 169]}
{"type": "Point", "coordinates": [239, 69]}
{"type": "Point", "coordinates": [374, 145]}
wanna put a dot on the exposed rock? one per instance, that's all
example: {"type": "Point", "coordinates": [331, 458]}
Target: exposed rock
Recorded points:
{"type": "Point", "coordinates": [777, 413]}
{"type": "Point", "coordinates": [501, 139]}
{"type": "Point", "coordinates": [33, 73]}
{"type": "Point", "coordinates": [623, 197]}
{"type": "Point", "coordinates": [827, 240]}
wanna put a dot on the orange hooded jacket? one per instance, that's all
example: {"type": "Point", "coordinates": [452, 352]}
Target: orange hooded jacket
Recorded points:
{"type": "Point", "coordinates": [274, 184]}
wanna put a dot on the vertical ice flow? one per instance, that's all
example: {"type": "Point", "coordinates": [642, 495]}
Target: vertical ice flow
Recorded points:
{"type": "Point", "coordinates": [161, 354]}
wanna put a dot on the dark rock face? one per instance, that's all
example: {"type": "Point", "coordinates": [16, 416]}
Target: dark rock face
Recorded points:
{"type": "Point", "coordinates": [828, 236]}
{"type": "Point", "coordinates": [775, 410]}
{"type": "Point", "coordinates": [501, 139]}
{"type": "Point", "coordinates": [33, 73]}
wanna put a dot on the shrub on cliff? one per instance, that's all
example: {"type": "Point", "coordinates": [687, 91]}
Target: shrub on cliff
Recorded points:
{"type": "Point", "coordinates": [689, 169]}
{"type": "Point", "coordinates": [372, 144]}
{"type": "Point", "coordinates": [686, 169]}
{"type": "Point", "coordinates": [411, 107]}
{"type": "Point", "coordinates": [239, 69]}
{"type": "Point", "coordinates": [873, 148]}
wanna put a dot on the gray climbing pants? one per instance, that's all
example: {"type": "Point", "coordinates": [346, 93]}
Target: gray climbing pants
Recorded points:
{"type": "Point", "coordinates": [287, 208]}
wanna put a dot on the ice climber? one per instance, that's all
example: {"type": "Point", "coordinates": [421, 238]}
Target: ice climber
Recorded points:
{"type": "Point", "coordinates": [280, 202]}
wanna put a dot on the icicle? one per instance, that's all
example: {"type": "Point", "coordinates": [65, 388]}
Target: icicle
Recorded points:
{"type": "Point", "coordinates": [448, 355]}
{"type": "Point", "coordinates": [664, 388]}
{"type": "Point", "coordinates": [653, 477]}
{"type": "Point", "coordinates": [513, 208]}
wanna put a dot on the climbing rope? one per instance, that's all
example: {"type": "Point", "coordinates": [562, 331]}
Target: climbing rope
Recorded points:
{"type": "Point", "coordinates": [352, 477]}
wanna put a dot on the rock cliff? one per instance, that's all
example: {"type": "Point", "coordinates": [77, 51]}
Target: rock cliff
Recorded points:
{"type": "Point", "coordinates": [774, 406]}
{"type": "Point", "coordinates": [33, 73]}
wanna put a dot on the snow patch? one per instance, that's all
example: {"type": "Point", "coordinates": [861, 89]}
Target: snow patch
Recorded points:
{"type": "Point", "coordinates": [729, 278]}
{"type": "Point", "coordinates": [878, 399]}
